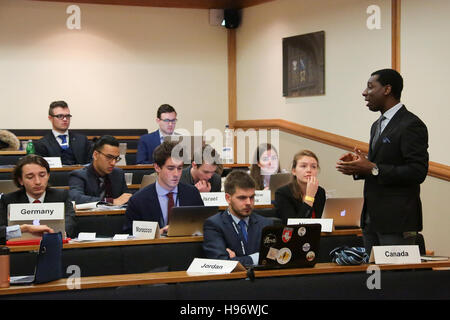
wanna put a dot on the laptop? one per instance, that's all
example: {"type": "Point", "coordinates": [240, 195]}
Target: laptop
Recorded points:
{"type": "Point", "coordinates": [345, 212]}
{"type": "Point", "coordinates": [188, 220]}
{"type": "Point", "coordinates": [284, 247]}
{"type": "Point", "coordinates": [277, 181]}
{"type": "Point", "coordinates": [48, 262]}
{"type": "Point", "coordinates": [7, 186]}
{"type": "Point", "coordinates": [58, 225]}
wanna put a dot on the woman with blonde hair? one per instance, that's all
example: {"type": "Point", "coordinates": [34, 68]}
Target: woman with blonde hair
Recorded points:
{"type": "Point", "coordinates": [302, 197]}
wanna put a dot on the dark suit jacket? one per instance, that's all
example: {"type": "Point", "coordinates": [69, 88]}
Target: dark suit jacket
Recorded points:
{"type": "Point", "coordinates": [85, 187]}
{"type": "Point", "coordinates": [49, 147]}
{"type": "Point", "coordinates": [392, 199]}
{"type": "Point", "coordinates": [289, 207]}
{"type": "Point", "coordinates": [144, 204]}
{"type": "Point", "coordinates": [219, 234]}
{"type": "Point", "coordinates": [147, 143]}
{"type": "Point", "coordinates": [215, 181]}
{"type": "Point", "coordinates": [52, 195]}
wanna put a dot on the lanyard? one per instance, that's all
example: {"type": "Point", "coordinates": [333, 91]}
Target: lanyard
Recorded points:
{"type": "Point", "coordinates": [237, 232]}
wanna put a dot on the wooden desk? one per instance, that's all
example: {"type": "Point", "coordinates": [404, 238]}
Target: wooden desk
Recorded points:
{"type": "Point", "coordinates": [183, 277]}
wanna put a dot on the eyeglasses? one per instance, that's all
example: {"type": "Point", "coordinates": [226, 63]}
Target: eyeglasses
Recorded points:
{"type": "Point", "coordinates": [110, 157]}
{"type": "Point", "coordinates": [169, 120]}
{"type": "Point", "coordinates": [62, 116]}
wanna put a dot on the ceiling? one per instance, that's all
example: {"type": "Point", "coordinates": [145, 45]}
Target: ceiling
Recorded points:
{"type": "Point", "coordinates": [192, 4]}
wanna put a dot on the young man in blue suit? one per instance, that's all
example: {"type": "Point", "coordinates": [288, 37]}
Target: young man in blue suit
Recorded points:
{"type": "Point", "coordinates": [166, 118]}
{"type": "Point", "coordinates": [235, 234]}
{"type": "Point", "coordinates": [154, 202]}
{"type": "Point", "coordinates": [396, 165]}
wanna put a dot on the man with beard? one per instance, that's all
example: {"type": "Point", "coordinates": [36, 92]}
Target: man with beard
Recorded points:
{"type": "Point", "coordinates": [235, 233]}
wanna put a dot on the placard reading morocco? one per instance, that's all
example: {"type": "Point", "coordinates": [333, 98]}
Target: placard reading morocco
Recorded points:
{"type": "Point", "coordinates": [145, 229]}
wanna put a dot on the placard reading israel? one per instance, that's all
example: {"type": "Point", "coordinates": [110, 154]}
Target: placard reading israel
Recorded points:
{"type": "Point", "coordinates": [36, 211]}
{"type": "Point", "coordinates": [214, 199]}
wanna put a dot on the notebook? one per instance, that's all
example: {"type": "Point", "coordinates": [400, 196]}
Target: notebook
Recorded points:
{"type": "Point", "coordinates": [188, 220]}
{"type": "Point", "coordinates": [345, 212]}
{"type": "Point", "coordinates": [48, 263]}
{"type": "Point", "coordinates": [284, 247]}
{"type": "Point", "coordinates": [58, 225]}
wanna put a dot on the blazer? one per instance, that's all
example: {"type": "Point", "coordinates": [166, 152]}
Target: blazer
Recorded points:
{"type": "Point", "coordinates": [51, 195]}
{"type": "Point", "coordinates": [85, 186]}
{"type": "Point", "coordinates": [219, 234]}
{"type": "Point", "coordinates": [47, 146]}
{"type": "Point", "coordinates": [147, 143]}
{"type": "Point", "coordinates": [289, 207]}
{"type": "Point", "coordinates": [392, 198]}
{"type": "Point", "coordinates": [144, 204]}
{"type": "Point", "coordinates": [215, 181]}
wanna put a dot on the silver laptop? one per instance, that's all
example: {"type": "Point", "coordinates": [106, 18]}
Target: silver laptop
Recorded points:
{"type": "Point", "coordinates": [7, 186]}
{"type": "Point", "coordinates": [277, 181]}
{"type": "Point", "coordinates": [58, 225]}
{"type": "Point", "coordinates": [188, 220]}
{"type": "Point", "coordinates": [345, 212]}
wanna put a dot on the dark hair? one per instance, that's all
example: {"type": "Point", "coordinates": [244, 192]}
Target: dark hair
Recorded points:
{"type": "Point", "coordinates": [106, 139]}
{"type": "Point", "coordinates": [255, 170]}
{"type": "Point", "coordinates": [238, 179]}
{"type": "Point", "coordinates": [294, 185]}
{"type": "Point", "coordinates": [207, 155]}
{"type": "Point", "coordinates": [56, 104]}
{"type": "Point", "coordinates": [164, 108]}
{"type": "Point", "coordinates": [167, 150]}
{"type": "Point", "coordinates": [28, 159]}
{"type": "Point", "coordinates": [390, 77]}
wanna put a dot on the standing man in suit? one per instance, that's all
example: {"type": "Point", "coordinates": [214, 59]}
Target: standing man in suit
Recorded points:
{"type": "Point", "coordinates": [31, 175]}
{"type": "Point", "coordinates": [235, 233]}
{"type": "Point", "coordinates": [100, 180]}
{"type": "Point", "coordinates": [154, 202]}
{"type": "Point", "coordinates": [72, 148]}
{"type": "Point", "coordinates": [397, 164]}
{"type": "Point", "coordinates": [166, 118]}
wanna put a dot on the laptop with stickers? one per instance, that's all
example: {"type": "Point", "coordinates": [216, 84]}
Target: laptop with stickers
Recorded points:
{"type": "Point", "coordinates": [345, 212]}
{"type": "Point", "coordinates": [284, 247]}
{"type": "Point", "coordinates": [188, 220]}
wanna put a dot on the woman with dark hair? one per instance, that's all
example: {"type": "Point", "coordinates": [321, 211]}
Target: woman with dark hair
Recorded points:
{"type": "Point", "coordinates": [303, 197]}
{"type": "Point", "coordinates": [265, 164]}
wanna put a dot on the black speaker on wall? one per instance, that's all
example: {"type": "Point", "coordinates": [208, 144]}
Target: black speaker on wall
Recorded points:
{"type": "Point", "coordinates": [232, 18]}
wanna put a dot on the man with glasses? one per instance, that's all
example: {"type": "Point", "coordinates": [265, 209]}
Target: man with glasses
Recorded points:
{"type": "Point", "coordinates": [166, 118]}
{"type": "Point", "coordinates": [100, 180]}
{"type": "Point", "coordinates": [72, 148]}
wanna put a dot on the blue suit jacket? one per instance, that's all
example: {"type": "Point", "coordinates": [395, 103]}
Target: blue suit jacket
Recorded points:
{"type": "Point", "coordinates": [144, 204]}
{"type": "Point", "coordinates": [147, 143]}
{"type": "Point", "coordinates": [219, 234]}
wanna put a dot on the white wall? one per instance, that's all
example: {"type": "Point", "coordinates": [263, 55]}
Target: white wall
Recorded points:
{"type": "Point", "coordinates": [116, 70]}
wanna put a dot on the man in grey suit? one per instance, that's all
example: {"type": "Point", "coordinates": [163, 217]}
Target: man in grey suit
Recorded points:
{"type": "Point", "coordinates": [100, 180]}
{"type": "Point", "coordinates": [235, 234]}
{"type": "Point", "coordinates": [396, 165]}
{"type": "Point", "coordinates": [31, 175]}
{"type": "Point", "coordinates": [72, 148]}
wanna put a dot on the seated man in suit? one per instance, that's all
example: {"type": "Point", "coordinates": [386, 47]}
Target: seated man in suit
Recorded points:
{"type": "Point", "coordinates": [155, 201]}
{"type": "Point", "coordinates": [31, 175]}
{"type": "Point", "coordinates": [100, 180]}
{"type": "Point", "coordinates": [235, 233]}
{"type": "Point", "coordinates": [72, 148]}
{"type": "Point", "coordinates": [166, 118]}
{"type": "Point", "coordinates": [202, 171]}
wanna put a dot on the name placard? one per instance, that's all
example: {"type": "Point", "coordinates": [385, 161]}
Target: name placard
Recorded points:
{"type": "Point", "coordinates": [214, 266]}
{"type": "Point", "coordinates": [146, 229]}
{"type": "Point", "coordinates": [36, 211]}
{"type": "Point", "coordinates": [327, 224]}
{"type": "Point", "coordinates": [262, 197]}
{"type": "Point", "coordinates": [395, 254]}
{"type": "Point", "coordinates": [54, 162]}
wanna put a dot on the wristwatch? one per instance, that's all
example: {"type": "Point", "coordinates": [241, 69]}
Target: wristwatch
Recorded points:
{"type": "Point", "coordinates": [375, 171]}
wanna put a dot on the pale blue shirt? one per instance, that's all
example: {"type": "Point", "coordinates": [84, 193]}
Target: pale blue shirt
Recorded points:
{"type": "Point", "coordinates": [163, 200]}
{"type": "Point", "coordinates": [389, 115]}
{"type": "Point", "coordinates": [254, 256]}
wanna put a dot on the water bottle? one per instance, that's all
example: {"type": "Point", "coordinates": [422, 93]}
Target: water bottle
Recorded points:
{"type": "Point", "coordinates": [30, 147]}
{"type": "Point", "coordinates": [228, 149]}
{"type": "Point", "coordinates": [4, 267]}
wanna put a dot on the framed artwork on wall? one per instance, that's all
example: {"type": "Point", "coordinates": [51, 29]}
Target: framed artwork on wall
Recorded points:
{"type": "Point", "coordinates": [304, 65]}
